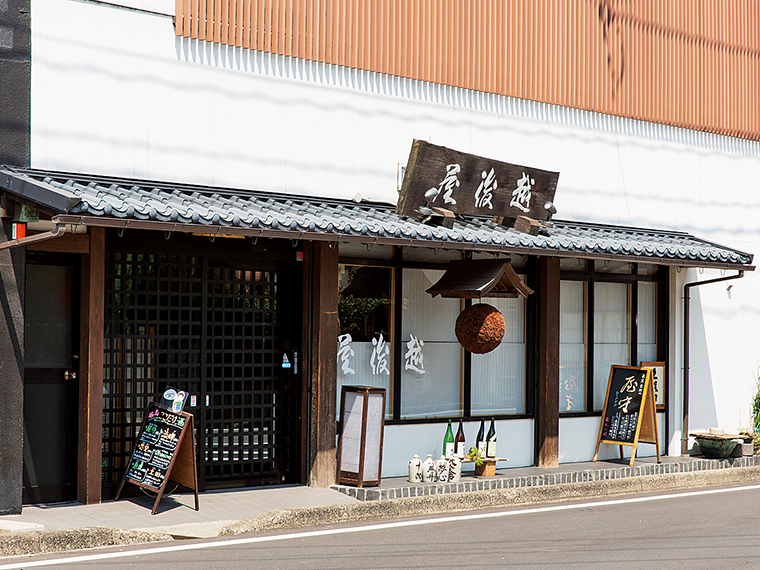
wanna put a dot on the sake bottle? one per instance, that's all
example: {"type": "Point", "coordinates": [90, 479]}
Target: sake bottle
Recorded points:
{"type": "Point", "coordinates": [415, 470]}
{"type": "Point", "coordinates": [491, 441]}
{"type": "Point", "coordinates": [428, 470]}
{"type": "Point", "coordinates": [459, 442]}
{"type": "Point", "coordinates": [455, 469]}
{"type": "Point", "coordinates": [448, 442]}
{"type": "Point", "coordinates": [480, 441]}
{"type": "Point", "coordinates": [442, 469]}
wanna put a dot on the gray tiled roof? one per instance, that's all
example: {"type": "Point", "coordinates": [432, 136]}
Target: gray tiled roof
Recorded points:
{"type": "Point", "coordinates": [98, 200]}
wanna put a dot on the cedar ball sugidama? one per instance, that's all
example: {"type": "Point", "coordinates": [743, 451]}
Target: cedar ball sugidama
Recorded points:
{"type": "Point", "coordinates": [480, 328]}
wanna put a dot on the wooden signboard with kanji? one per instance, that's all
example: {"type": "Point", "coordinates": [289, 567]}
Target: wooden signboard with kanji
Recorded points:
{"type": "Point", "coordinates": [628, 416]}
{"type": "Point", "coordinates": [658, 381]}
{"type": "Point", "coordinates": [472, 185]}
{"type": "Point", "coordinates": [164, 450]}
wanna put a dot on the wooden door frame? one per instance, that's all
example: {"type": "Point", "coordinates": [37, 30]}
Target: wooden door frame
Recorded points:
{"type": "Point", "coordinates": [320, 350]}
{"type": "Point", "coordinates": [92, 290]}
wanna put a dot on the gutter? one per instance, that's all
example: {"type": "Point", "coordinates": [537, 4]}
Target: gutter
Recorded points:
{"type": "Point", "coordinates": [310, 235]}
{"type": "Point", "coordinates": [59, 231]}
{"type": "Point", "coordinates": [686, 297]}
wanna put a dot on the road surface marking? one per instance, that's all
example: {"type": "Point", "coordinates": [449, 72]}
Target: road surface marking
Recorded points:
{"type": "Point", "coordinates": [24, 564]}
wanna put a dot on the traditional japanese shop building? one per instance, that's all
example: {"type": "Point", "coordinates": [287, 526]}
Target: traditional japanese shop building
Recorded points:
{"type": "Point", "coordinates": [203, 208]}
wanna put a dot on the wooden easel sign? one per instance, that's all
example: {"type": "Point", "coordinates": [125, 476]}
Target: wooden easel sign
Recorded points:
{"type": "Point", "coordinates": [628, 416]}
{"type": "Point", "coordinates": [165, 449]}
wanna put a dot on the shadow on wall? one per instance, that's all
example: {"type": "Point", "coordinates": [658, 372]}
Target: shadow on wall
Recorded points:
{"type": "Point", "coordinates": [702, 410]}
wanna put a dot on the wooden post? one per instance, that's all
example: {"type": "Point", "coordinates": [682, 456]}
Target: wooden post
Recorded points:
{"type": "Point", "coordinates": [91, 370]}
{"type": "Point", "coordinates": [547, 432]}
{"type": "Point", "coordinates": [321, 359]}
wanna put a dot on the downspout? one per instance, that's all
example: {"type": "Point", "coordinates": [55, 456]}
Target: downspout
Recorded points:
{"type": "Point", "coordinates": [686, 293]}
{"type": "Point", "coordinates": [59, 231]}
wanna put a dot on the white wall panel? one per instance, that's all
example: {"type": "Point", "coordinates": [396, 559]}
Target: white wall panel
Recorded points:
{"type": "Point", "coordinates": [515, 442]}
{"type": "Point", "coordinates": [577, 441]}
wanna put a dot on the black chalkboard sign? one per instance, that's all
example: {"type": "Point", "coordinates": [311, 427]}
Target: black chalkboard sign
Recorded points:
{"type": "Point", "coordinates": [629, 410]}
{"type": "Point", "coordinates": [164, 450]}
{"type": "Point", "coordinates": [155, 448]}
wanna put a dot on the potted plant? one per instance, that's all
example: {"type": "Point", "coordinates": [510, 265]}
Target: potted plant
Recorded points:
{"type": "Point", "coordinates": [474, 455]}
{"type": "Point", "coordinates": [756, 419]}
{"type": "Point", "coordinates": [484, 468]}
{"type": "Point", "coordinates": [756, 408]}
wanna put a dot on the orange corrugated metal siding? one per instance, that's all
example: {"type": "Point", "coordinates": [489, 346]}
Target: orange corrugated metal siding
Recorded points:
{"type": "Point", "coordinates": [687, 63]}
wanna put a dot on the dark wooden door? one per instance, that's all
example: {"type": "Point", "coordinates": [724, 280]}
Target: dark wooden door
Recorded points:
{"type": "Point", "coordinates": [50, 379]}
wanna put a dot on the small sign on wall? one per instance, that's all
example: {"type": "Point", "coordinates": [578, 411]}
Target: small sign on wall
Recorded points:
{"type": "Point", "coordinates": [18, 230]}
{"type": "Point", "coordinates": [658, 381]}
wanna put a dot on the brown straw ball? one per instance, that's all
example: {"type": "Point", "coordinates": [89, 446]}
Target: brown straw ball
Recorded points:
{"type": "Point", "coordinates": [480, 328]}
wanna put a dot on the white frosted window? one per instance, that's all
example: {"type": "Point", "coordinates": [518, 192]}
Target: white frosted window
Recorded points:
{"type": "Point", "coordinates": [498, 378]}
{"type": "Point", "coordinates": [647, 322]}
{"type": "Point", "coordinates": [431, 319]}
{"type": "Point", "coordinates": [363, 372]}
{"type": "Point", "coordinates": [365, 351]}
{"type": "Point", "coordinates": [572, 346]}
{"type": "Point", "coordinates": [611, 334]}
{"type": "Point", "coordinates": [431, 382]}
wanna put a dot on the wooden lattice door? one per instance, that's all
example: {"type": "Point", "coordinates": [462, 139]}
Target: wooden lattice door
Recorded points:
{"type": "Point", "coordinates": [220, 330]}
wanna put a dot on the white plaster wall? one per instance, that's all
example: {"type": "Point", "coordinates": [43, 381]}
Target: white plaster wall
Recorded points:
{"type": "Point", "coordinates": [724, 352]}
{"type": "Point", "coordinates": [114, 92]}
{"type": "Point", "coordinates": [402, 442]}
{"type": "Point", "coordinates": [578, 436]}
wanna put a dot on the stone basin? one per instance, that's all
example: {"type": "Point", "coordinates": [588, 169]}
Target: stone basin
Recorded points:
{"type": "Point", "coordinates": [716, 448]}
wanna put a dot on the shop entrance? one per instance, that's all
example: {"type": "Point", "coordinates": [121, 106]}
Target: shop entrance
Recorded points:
{"type": "Point", "coordinates": [224, 329]}
{"type": "Point", "coordinates": [51, 332]}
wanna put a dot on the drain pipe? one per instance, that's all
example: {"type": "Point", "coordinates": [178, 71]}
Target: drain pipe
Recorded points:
{"type": "Point", "coordinates": [686, 294]}
{"type": "Point", "coordinates": [59, 231]}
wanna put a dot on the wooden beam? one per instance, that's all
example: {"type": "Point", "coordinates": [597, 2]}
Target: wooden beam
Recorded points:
{"type": "Point", "coordinates": [67, 243]}
{"type": "Point", "coordinates": [547, 432]}
{"type": "Point", "coordinates": [91, 370]}
{"type": "Point", "coordinates": [527, 225]}
{"type": "Point", "coordinates": [321, 357]}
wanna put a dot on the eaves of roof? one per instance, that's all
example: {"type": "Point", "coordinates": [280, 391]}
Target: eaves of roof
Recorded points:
{"type": "Point", "coordinates": [30, 189]}
{"type": "Point", "coordinates": [139, 204]}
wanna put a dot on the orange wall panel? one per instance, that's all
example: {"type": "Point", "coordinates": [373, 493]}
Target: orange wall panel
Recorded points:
{"type": "Point", "coordinates": [686, 63]}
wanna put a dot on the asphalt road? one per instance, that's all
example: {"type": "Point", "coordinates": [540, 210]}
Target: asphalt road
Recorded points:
{"type": "Point", "coordinates": [714, 528]}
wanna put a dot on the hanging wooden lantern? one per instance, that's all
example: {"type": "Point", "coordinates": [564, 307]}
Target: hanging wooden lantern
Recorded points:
{"type": "Point", "coordinates": [475, 279]}
{"type": "Point", "coordinates": [480, 328]}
